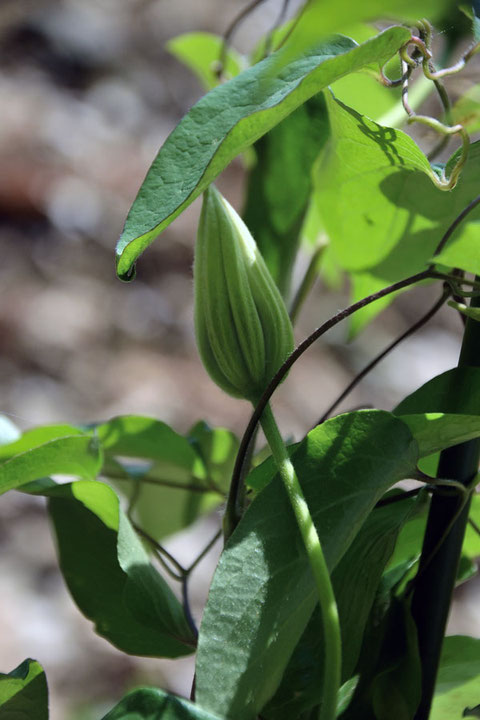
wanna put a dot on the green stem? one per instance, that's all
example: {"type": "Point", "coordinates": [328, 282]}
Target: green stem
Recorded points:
{"type": "Point", "coordinates": [326, 597]}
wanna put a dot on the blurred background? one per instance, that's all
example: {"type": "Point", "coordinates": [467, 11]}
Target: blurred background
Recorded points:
{"type": "Point", "coordinates": [87, 95]}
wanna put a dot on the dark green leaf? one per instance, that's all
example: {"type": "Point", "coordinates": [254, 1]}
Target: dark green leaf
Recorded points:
{"type": "Point", "coordinates": [355, 581]}
{"type": "Point", "coordinates": [153, 704]}
{"type": "Point", "coordinates": [110, 576]}
{"type": "Point", "coordinates": [227, 121]}
{"type": "Point", "coordinates": [454, 391]}
{"type": "Point", "coordinates": [200, 51]}
{"type": "Point", "coordinates": [77, 455]}
{"type": "Point", "coordinates": [458, 681]}
{"type": "Point", "coordinates": [280, 184]}
{"type": "Point", "coordinates": [437, 431]}
{"type": "Point", "coordinates": [24, 693]}
{"type": "Point", "coordinates": [263, 593]}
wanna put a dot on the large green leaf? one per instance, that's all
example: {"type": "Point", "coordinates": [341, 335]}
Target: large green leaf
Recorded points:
{"type": "Point", "coordinates": [200, 51]}
{"type": "Point", "coordinates": [263, 593]}
{"type": "Point", "coordinates": [280, 184]}
{"type": "Point", "coordinates": [227, 121]}
{"type": "Point", "coordinates": [437, 431]}
{"type": "Point", "coordinates": [382, 212]}
{"type": "Point", "coordinates": [355, 581]}
{"type": "Point", "coordinates": [458, 681]}
{"type": "Point", "coordinates": [24, 693]}
{"type": "Point", "coordinates": [153, 704]}
{"type": "Point", "coordinates": [109, 574]}
{"type": "Point", "coordinates": [454, 391]}
{"type": "Point", "coordinates": [78, 455]}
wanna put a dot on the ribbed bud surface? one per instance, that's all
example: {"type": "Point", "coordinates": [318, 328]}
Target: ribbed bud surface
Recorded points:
{"type": "Point", "coordinates": [241, 323]}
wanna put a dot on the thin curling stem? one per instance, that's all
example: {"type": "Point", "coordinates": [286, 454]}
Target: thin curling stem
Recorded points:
{"type": "Point", "coordinates": [326, 597]}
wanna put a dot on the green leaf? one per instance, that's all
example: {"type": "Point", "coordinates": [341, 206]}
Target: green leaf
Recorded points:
{"type": "Point", "coordinates": [227, 121]}
{"type": "Point", "coordinates": [24, 693]}
{"type": "Point", "coordinates": [320, 18]}
{"type": "Point", "coordinates": [153, 704]}
{"type": "Point", "coordinates": [201, 51]}
{"type": "Point", "coordinates": [466, 110]}
{"type": "Point", "coordinates": [217, 447]}
{"type": "Point", "coordinates": [186, 477]}
{"type": "Point", "coordinates": [280, 184]}
{"type": "Point", "coordinates": [355, 581]}
{"type": "Point", "coordinates": [454, 391]}
{"type": "Point", "coordinates": [262, 593]}
{"type": "Point", "coordinates": [381, 211]}
{"type": "Point", "coordinates": [471, 543]}
{"type": "Point", "coordinates": [144, 437]}
{"type": "Point", "coordinates": [437, 431]}
{"type": "Point", "coordinates": [38, 436]}
{"type": "Point", "coordinates": [463, 250]}
{"type": "Point", "coordinates": [458, 680]}
{"type": "Point", "coordinates": [78, 455]}
{"type": "Point", "coordinates": [109, 574]}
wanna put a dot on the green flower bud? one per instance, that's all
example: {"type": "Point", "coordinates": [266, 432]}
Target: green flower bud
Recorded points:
{"type": "Point", "coordinates": [242, 326]}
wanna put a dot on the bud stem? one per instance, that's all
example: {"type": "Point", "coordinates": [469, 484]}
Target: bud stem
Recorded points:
{"type": "Point", "coordinates": [326, 597]}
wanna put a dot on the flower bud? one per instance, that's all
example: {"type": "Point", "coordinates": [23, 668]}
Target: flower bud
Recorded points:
{"type": "Point", "coordinates": [242, 326]}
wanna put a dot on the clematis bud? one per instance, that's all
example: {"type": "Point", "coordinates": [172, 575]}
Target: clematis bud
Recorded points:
{"type": "Point", "coordinates": [242, 326]}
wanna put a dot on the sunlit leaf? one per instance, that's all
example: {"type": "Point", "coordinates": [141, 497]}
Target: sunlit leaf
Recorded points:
{"type": "Point", "coordinates": [263, 592]}
{"type": "Point", "coordinates": [24, 693]}
{"type": "Point", "coordinates": [227, 121]}
{"type": "Point", "coordinates": [458, 680]}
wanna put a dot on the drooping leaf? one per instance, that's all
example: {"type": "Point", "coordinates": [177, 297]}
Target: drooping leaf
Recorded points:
{"type": "Point", "coordinates": [263, 593]}
{"type": "Point", "coordinates": [437, 431]}
{"type": "Point", "coordinates": [227, 121]}
{"type": "Point", "coordinates": [153, 704]}
{"type": "Point", "coordinates": [201, 51]}
{"type": "Point", "coordinates": [355, 581]}
{"type": "Point", "coordinates": [78, 455]}
{"type": "Point", "coordinates": [458, 680]}
{"type": "Point", "coordinates": [24, 693]}
{"type": "Point", "coordinates": [109, 574]}
{"type": "Point", "coordinates": [280, 184]}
